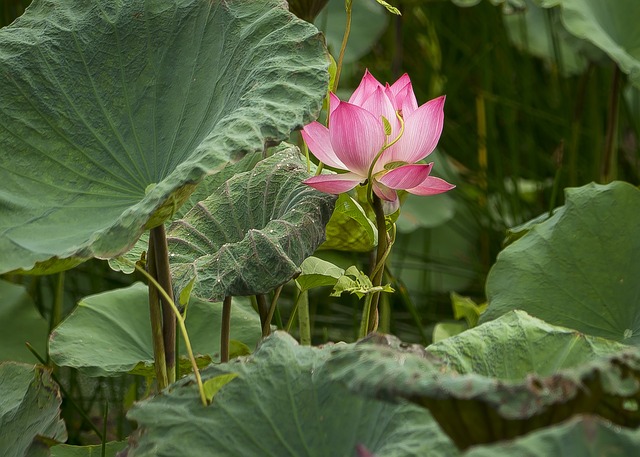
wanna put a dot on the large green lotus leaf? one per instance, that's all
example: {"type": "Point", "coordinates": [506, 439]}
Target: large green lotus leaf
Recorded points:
{"type": "Point", "coordinates": [584, 436]}
{"type": "Point", "coordinates": [611, 26]}
{"type": "Point", "coordinates": [252, 234]}
{"type": "Point", "coordinates": [579, 268]}
{"type": "Point", "coordinates": [125, 262]}
{"type": "Point", "coordinates": [474, 409]}
{"type": "Point", "coordinates": [110, 333]}
{"type": "Point", "coordinates": [516, 345]}
{"type": "Point", "coordinates": [110, 113]}
{"type": "Point", "coordinates": [281, 404]}
{"type": "Point", "coordinates": [20, 323]}
{"type": "Point", "coordinates": [29, 408]}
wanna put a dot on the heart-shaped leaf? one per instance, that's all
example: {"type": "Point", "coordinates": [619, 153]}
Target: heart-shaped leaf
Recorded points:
{"type": "Point", "coordinates": [253, 233]}
{"type": "Point", "coordinates": [29, 408]}
{"type": "Point", "coordinates": [110, 333]}
{"type": "Point", "coordinates": [281, 403]}
{"type": "Point", "coordinates": [579, 268]}
{"type": "Point", "coordinates": [110, 113]}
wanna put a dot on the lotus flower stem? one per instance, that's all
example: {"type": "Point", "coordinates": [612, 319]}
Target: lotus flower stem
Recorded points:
{"type": "Point", "coordinates": [159, 239]}
{"type": "Point", "coordinates": [266, 328]}
{"type": "Point", "coordinates": [345, 38]}
{"type": "Point", "coordinates": [225, 329]}
{"type": "Point", "coordinates": [155, 314]}
{"type": "Point", "coordinates": [263, 310]}
{"type": "Point", "coordinates": [183, 330]}
{"type": "Point", "coordinates": [303, 318]}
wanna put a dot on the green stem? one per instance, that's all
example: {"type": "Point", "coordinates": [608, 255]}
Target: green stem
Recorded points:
{"type": "Point", "coordinates": [159, 239]}
{"type": "Point", "coordinates": [294, 313]}
{"type": "Point", "coordinates": [304, 320]}
{"type": "Point", "coordinates": [56, 307]}
{"type": "Point", "coordinates": [266, 327]}
{"type": "Point", "coordinates": [343, 46]}
{"type": "Point", "coordinates": [225, 329]}
{"type": "Point", "coordinates": [609, 159]}
{"type": "Point", "coordinates": [370, 312]}
{"type": "Point", "coordinates": [105, 421]}
{"type": "Point", "coordinates": [155, 315]}
{"type": "Point", "coordinates": [263, 311]}
{"type": "Point", "coordinates": [183, 330]}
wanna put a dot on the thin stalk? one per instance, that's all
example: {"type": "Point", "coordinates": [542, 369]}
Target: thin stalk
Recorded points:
{"type": "Point", "coordinates": [483, 164]}
{"type": "Point", "coordinates": [608, 163]}
{"type": "Point", "coordinates": [345, 38]}
{"type": "Point", "coordinates": [294, 312]}
{"type": "Point", "coordinates": [155, 315]}
{"type": "Point", "coordinates": [385, 314]}
{"type": "Point", "coordinates": [105, 417]}
{"type": "Point", "coordinates": [225, 329]}
{"type": "Point", "coordinates": [159, 239]}
{"type": "Point", "coordinates": [266, 328]}
{"type": "Point", "coordinates": [183, 330]}
{"type": "Point", "coordinates": [56, 307]}
{"type": "Point", "coordinates": [263, 310]}
{"type": "Point", "coordinates": [370, 312]}
{"type": "Point", "coordinates": [406, 298]}
{"type": "Point", "coordinates": [304, 320]}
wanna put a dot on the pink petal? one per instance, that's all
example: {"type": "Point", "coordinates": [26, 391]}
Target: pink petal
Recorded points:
{"type": "Point", "coordinates": [334, 184]}
{"type": "Point", "coordinates": [422, 131]}
{"type": "Point", "coordinates": [334, 101]}
{"type": "Point", "coordinates": [406, 100]}
{"type": "Point", "coordinates": [318, 139]}
{"type": "Point", "coordinates": [384, 192]}
{"type": "Point", "coordinates": [364, 89]}
{"type": "Point", "coordinates": [400, 84]}
{"type": "Point", "coordinates": [356, 137]}
{"type": "Point", "coordinates": [406, 176]}
{"type": "Point", "coordinates": [431, 186]}
{"type": "Point", "coordinates": [379, 104]}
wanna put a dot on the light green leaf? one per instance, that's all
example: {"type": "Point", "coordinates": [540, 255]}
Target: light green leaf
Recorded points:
{"type": "Point", "coordinates": [295, 411]}
{"type": "Point", "coordinates": [516, 345]}
{"type": "Point", "coordinates": [116, 96]}
{"type": "Point", "coordinates": [317, 273]}
{"type": "Point", "coordinates": [579, 268]}
{"type": "Point", "coordinates": [213, 385]}
{"type": "Point", "coordinates": [20, 323]}
{"type": "Point", "coordinates": [611, 26]}
{"type": "Point", "coordinates": [65, 450]}
{"type": "Point", "coordinates": [252, 234]}
{"type": "Point", "coordinates": [109, 333]}
{"type": "Point", "coordinates": [29, 408]}
{"type": "Point", "coordinates": [444, 330]}
{"type": "Point", "coordinates": [390, 8]}
{"type": "Point", "coordinates": [356, 282]}
{"type": "Point", "coordinates": [349, 228]}
{"type": "Point", "coordinates": [467, 309]}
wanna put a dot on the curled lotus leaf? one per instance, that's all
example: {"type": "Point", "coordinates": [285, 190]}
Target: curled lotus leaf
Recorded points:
{"type": "Point", "coordinates": [252, 234]}
{"type": "Point", "coordinates": [607, 386]}
{"type": "Point", "coordinates": [112, 112]}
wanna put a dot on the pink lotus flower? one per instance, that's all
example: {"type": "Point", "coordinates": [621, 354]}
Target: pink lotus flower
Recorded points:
{"type": "Point", "coordinates": [357, 134]}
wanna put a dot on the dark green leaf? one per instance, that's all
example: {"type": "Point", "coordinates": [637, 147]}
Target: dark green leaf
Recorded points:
{"type": "Point", "coordinates": [29, 407]}
{"type": "Point", "coordinates": [252, 234]}
{"type": "Point", "coordinates": [112, 112]}
{"type": "Point", "coordinates": [65, 450]}
{"type": "Point", "coordinates": [281, 404]}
